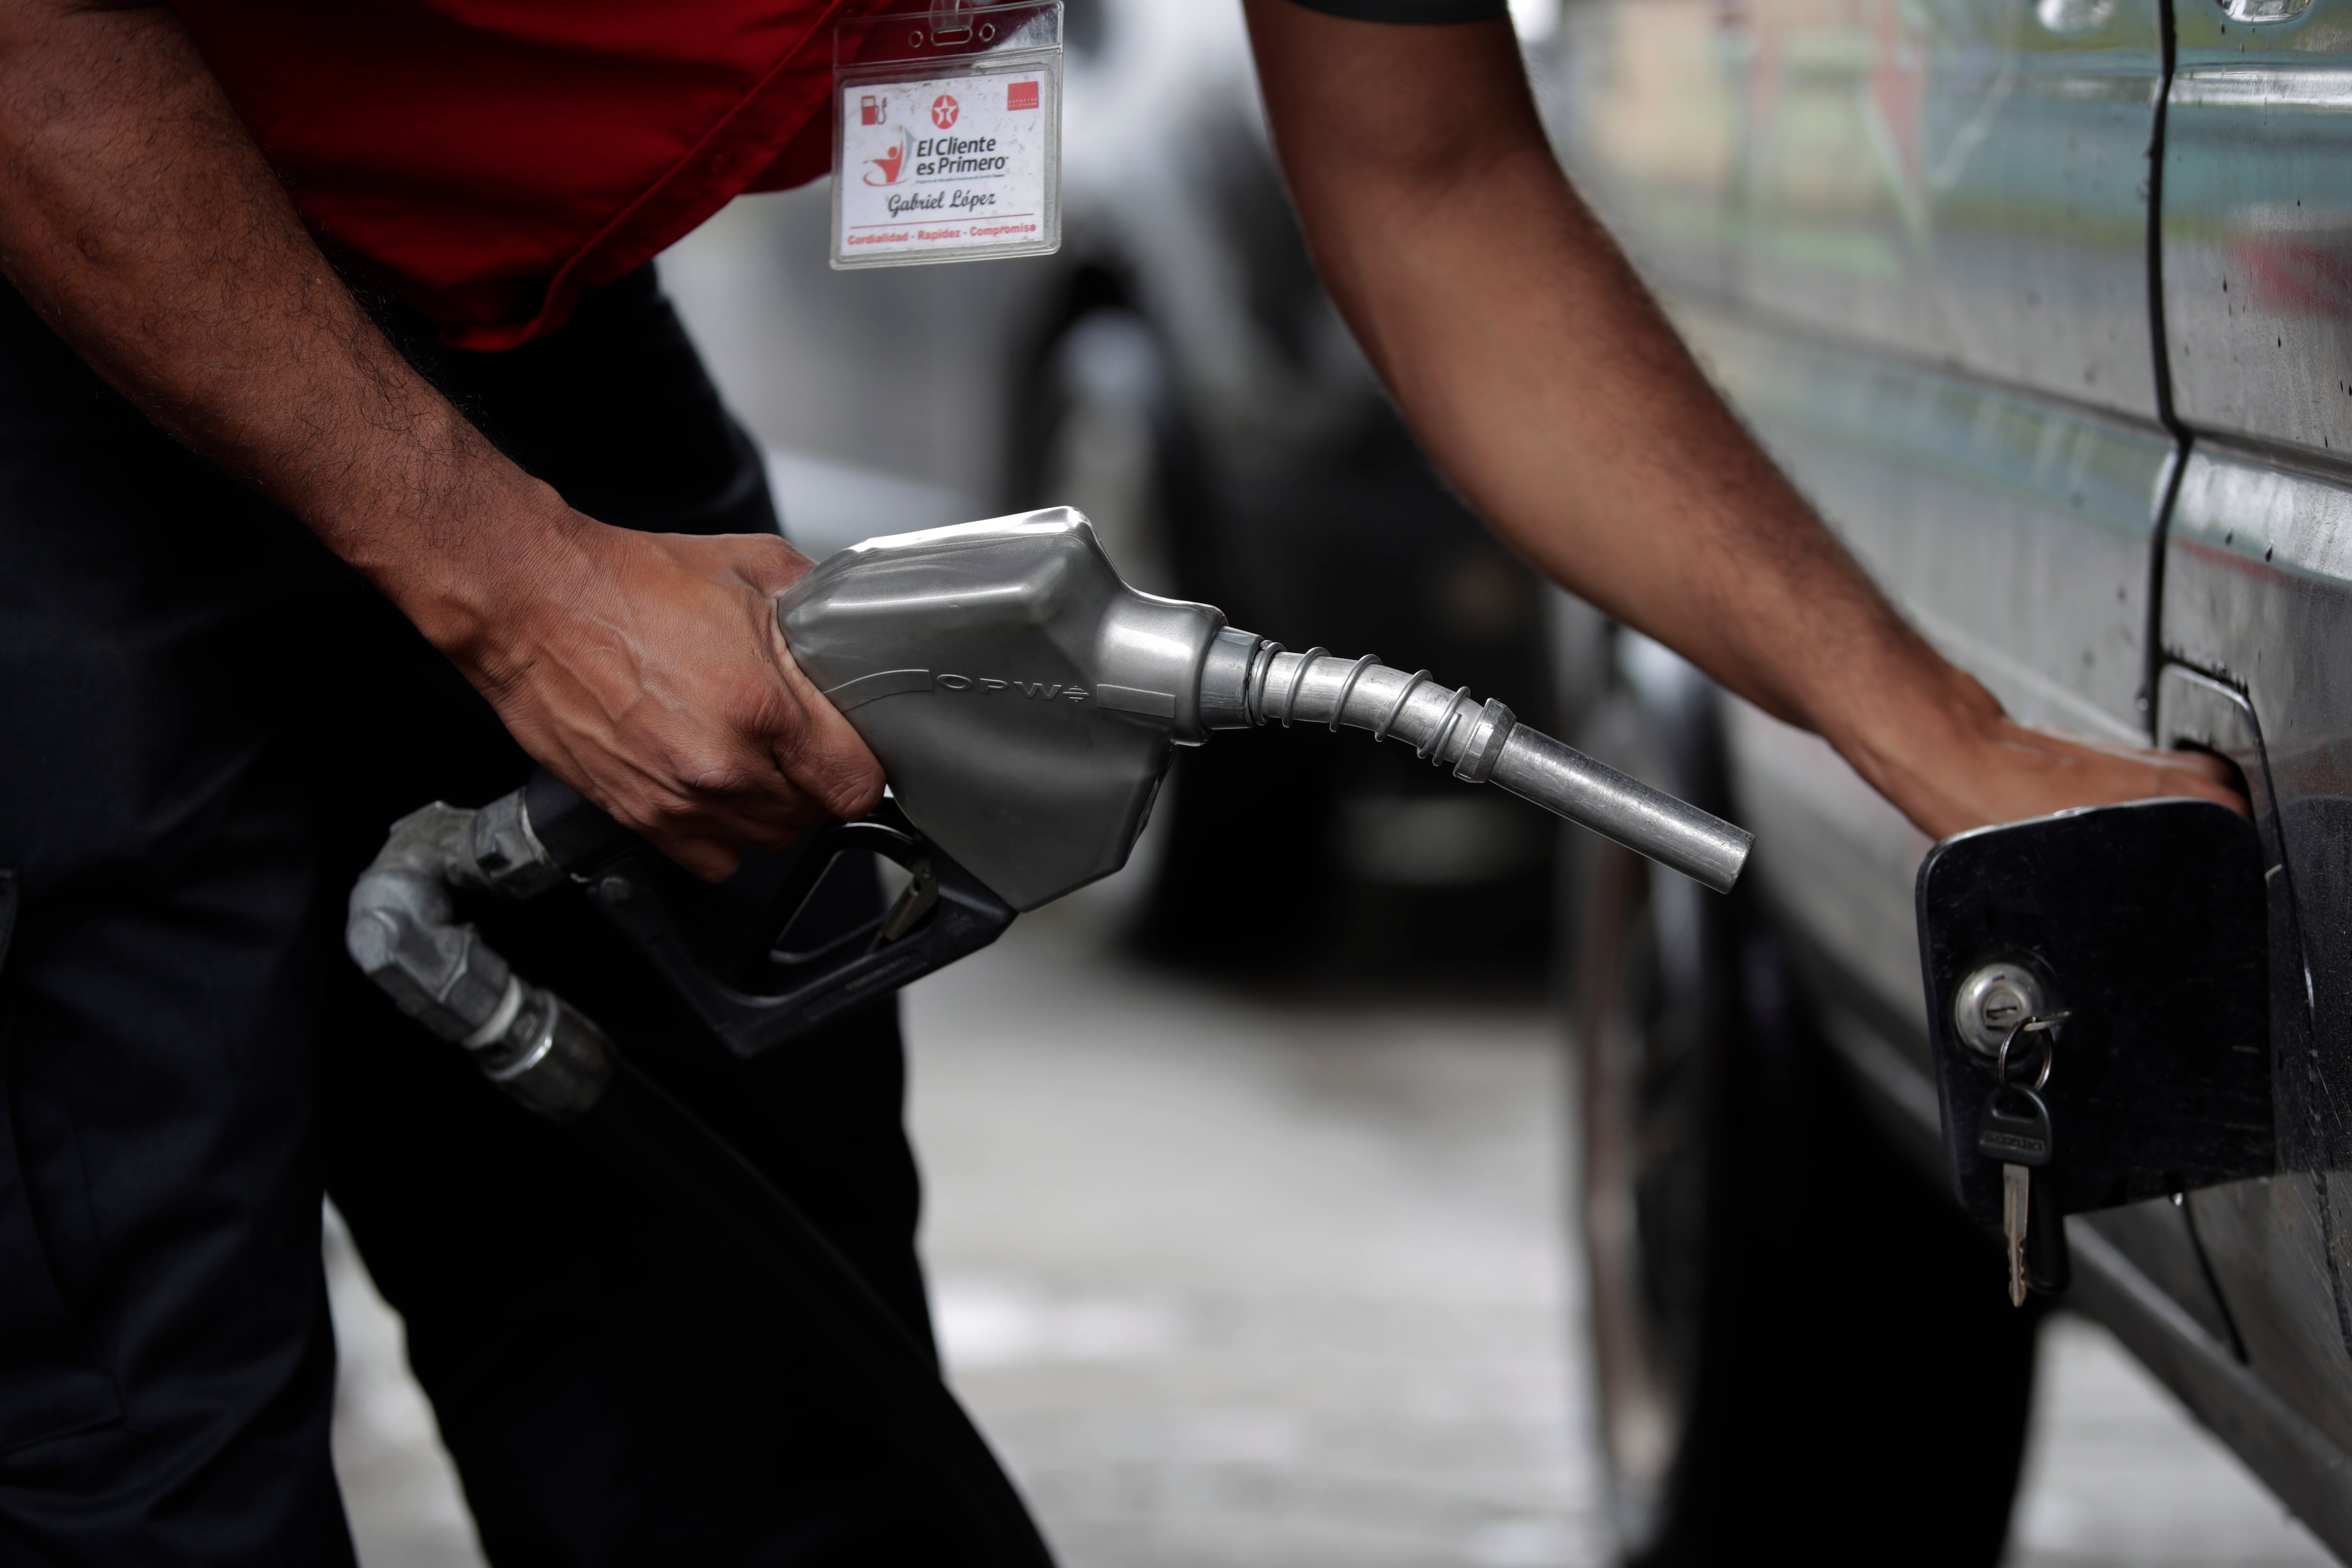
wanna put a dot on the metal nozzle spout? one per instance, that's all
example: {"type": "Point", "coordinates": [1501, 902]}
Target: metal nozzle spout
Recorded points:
{"type": "Point", "coordinates": [1246, 680]}
{"type": "Point", "coordinates": [1673, 832]}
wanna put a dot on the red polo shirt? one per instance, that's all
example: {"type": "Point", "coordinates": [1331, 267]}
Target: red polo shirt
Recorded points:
{"type": "Point", "coordinates": [487, 160]}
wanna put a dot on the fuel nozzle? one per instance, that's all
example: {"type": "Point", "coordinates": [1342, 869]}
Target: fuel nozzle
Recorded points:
{"type": "Point", "coordinates": [1024, 702]}
{"type": "Point", "coordinates": [1022, 699]}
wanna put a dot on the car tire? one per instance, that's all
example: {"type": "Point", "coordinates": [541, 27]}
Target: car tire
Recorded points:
{"type": "Point", "coordinates": [1099, 436]}
{"type": "Point", "coordinates": [1102, 429]}
{"type": "Point", "coordinates": [1098, 429]}
{"type": "Point", "coordinates": [1798, 1345]}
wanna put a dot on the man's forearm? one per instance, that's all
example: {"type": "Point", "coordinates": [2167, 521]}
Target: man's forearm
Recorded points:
{"type": "Point", "coordinates": [1545, 381]}
{"type": "Point", "coordinates": [1536, 370]}
{"type": "Point", "coordinates": [139, 219]}
{"type": "Point", "coordinates": [137, 216]}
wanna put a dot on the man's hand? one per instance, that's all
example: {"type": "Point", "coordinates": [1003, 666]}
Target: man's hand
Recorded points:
{"type": "Point", "coordinates": [1548, 386]}
{"type": "Point", "coordinates": [1960, 762]}
{"type": "Point", "coordinates": [649, 671]}
{"type": "Point", "coordinates": [139, 218]}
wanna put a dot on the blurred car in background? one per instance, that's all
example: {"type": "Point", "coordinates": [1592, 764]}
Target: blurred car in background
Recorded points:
{"type": "Point", "coordinates": [1177, 373]}
{"type": "Point", "coordinates": [2043, 303]}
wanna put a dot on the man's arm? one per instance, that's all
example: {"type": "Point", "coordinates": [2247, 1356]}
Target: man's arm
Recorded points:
{"type": "Point", "coordinates": [139, 218]}
{"type": "Point", "coordinates": [1545, 381]}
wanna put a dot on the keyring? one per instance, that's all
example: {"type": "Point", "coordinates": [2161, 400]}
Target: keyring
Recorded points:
{"type": "Point", "coordinates": [2040, 1023]}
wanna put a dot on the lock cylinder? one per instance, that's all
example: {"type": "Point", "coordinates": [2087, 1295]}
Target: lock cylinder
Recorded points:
{"type": "Point", "coordinates": [1248, 681]}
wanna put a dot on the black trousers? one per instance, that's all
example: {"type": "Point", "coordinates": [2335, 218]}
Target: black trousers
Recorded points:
{"type": "Point", "coordinates": [206, 724]}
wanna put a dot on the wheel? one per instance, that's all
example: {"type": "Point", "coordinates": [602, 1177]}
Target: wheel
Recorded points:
{"type": "Point", "coordinates": [1379, 864]}
{"type": "Point", "coordinates": [1096, 431]}
{"type": "Point", "coordinates": [1101, 439]}
{"type": "Point", "coordinates": [1797, 1342]}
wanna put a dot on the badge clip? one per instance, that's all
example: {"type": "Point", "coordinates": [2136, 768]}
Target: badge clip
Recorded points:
{"type": "Point", "coordinates": [947, 135]}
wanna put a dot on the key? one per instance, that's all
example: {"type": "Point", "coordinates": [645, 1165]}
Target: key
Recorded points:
{"type": "Point", "coordinates": [2048, 1267]}
{"type": "Point", "coordinates": [2016, 1133]}
{"type": "Point", "coordinates": [2016, 1219]}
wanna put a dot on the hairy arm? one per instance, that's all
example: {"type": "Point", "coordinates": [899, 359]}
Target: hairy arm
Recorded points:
{"type": "Point", "coordinates": [141, 221]}
{"type": "Point", "coordinates": [1544, 380]}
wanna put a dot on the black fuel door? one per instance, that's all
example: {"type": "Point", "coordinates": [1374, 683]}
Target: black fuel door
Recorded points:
{"type": "Point", "coordinates": [2142, 930]}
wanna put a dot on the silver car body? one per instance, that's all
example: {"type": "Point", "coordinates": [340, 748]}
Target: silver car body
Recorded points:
{"type": "Point", "coordinates": [2047, 304]}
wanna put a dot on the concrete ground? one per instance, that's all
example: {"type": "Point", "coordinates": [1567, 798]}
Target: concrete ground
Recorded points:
{"type": "Point", "coordinates": [1233, 1279]}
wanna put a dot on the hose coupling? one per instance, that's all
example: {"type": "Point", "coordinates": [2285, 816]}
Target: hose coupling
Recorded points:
{"type": "Point", "coordinates": [403, 933]}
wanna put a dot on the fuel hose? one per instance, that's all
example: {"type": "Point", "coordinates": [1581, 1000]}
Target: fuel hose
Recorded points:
{"type": "Point", "coordinates": [716, 1192]}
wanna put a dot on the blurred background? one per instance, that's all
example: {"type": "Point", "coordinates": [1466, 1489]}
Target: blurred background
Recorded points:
{"type": "Point", "coordinates": [1250, 1170]}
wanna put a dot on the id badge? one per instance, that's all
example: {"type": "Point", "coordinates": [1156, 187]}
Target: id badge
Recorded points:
{"type": "Point", "coordinates": [947, 135]}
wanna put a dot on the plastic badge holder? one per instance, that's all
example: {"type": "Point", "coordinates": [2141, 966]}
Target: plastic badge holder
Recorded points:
{"type": "Point", "coordinates": [947, 136]}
